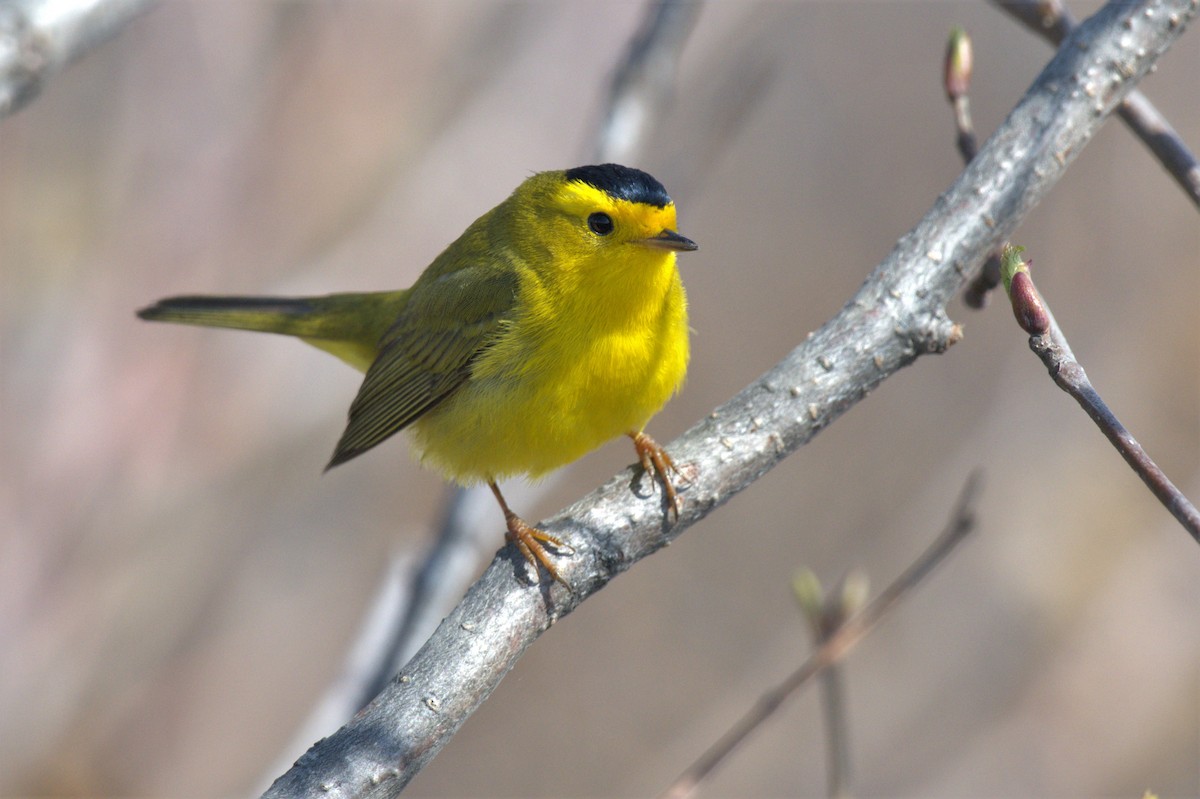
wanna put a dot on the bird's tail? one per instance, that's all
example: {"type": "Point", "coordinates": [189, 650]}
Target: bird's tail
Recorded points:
{"type": "Point", "coordinates": [346, 325]}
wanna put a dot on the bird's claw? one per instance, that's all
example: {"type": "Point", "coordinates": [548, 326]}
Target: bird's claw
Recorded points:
{"type": "Point", "coordinates": [531, 542]}
{"type": "Point", "coordinates": [656, 461]}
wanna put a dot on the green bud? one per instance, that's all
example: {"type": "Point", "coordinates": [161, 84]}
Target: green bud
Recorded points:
{"type": "Point", "coordinates": [856, 590]}
{"type": "Point", "coordinates": [807, 590]}
{"type": "Point", "coordinates": [1011, 262]}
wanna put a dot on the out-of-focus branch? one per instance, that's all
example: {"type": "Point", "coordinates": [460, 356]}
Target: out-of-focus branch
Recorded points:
{"type": "Point", "coordinates": [450, 564]}
{"type": "Point", "coordinates": [835, 645]}
{"type": "Point", "coordinates": [895, 317]}
{"type": "Point", "coordinates": [642, 84]}
{"type": "Point", "coordinates": [1047, 341]}
{"type": "Point", "coordinates": [826, 614]}
{"type": "Point", "coordinates": [1052, 20]}
{"type": "Point", "coordinates": [639, 86]}
{"type": "Point", "coordinates": [41, 37]}
{"type": "Point", "coordinates": [413, 597]}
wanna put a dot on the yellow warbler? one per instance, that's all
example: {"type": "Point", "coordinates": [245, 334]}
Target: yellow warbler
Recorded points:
{"type": "Point", "coordinates": [555, 322]}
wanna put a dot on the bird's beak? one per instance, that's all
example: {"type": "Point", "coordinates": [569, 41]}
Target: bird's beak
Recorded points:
{"type": "Point", "coordinates": [670, 240]}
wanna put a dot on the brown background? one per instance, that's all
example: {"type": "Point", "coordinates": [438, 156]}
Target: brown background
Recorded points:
{"type": "Point", "coordinates": [178, 582]}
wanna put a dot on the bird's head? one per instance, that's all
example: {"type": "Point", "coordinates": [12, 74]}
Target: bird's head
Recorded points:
{"type": "Point", "coordinates": [606, 214]}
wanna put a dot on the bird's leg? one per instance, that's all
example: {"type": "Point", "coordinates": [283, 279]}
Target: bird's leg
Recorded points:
{"type": "Point", "coordinates": [529, 539]}
{"type": "Point", "coordinates": [656, 461]}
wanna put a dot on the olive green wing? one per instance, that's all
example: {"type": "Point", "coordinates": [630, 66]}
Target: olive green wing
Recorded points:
{"type": "Point", "coordinates": [427, 354]}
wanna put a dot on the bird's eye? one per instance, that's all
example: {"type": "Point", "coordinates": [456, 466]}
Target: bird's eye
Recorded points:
{"type": "Point", "coordinates": [600, 224]}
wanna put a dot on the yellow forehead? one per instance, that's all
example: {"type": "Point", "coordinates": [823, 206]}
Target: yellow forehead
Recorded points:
{"type": "Point", "coordinates": [637, 219]}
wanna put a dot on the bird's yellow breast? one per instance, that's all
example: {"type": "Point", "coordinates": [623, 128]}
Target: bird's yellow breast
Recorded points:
{"type": "Point", "coordinates": [599, 345]}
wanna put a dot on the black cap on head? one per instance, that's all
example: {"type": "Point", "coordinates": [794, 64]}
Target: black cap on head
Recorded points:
{"type": "Point", "coordinates": [622, 183]}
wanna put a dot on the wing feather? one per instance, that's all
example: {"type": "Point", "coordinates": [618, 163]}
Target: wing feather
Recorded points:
{"type": "Point", "coordinates": [427, 354]}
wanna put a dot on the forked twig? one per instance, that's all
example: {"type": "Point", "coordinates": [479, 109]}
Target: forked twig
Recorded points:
{"type": "Point", "coordinates": [826, 614]}
{"type": "Point", "coordinates": [836, 645]}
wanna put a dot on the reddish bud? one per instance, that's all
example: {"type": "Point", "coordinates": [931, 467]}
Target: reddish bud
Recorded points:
{"type": "Point", "coordinates": [958, 64]}
{"type": "Point", "coordinates": [1027, 304]}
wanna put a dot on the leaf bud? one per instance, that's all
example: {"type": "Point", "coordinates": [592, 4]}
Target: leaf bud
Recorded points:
{"type": "Point", "coordinates": [959, 61]}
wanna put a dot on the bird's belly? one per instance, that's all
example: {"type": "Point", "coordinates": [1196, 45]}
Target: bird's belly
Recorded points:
{"type": "Point", "coordinates": [551, 409]}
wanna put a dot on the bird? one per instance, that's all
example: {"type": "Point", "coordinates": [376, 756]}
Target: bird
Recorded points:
{"type": "Point", "coordinates": [556, 322]}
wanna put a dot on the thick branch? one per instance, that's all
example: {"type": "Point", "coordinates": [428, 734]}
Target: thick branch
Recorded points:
{"type": "Point", "coordinates": [897, 315]}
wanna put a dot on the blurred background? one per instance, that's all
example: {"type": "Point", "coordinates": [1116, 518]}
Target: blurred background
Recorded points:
{"type": "Point", "coordinates": [179, 582]}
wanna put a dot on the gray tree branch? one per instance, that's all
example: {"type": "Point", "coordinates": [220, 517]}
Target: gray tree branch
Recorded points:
{"type": "Point", "coordinates": [1053, 21]}
{"type": "Point", "coordinates": [895, 317]}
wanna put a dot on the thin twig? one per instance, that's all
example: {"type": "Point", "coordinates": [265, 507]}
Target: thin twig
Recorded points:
{"type": "Point", "coordinates": [895, 317]}
{"type": "Point", "coordinates": [836, 646]}
{"type": "Point", "coordinates": [836, 734]}
{"type": "Point", "coordinates": [957, 72]}
{"type": "Point", "coordinates": [1053, 22]}
{"type": "Point", "coordinates": [1050, 344]}
{"type": "Point", "coordinates": [1070, 377]}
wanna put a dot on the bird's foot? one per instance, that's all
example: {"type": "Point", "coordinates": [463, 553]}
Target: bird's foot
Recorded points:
{"type": "Point", "coordinates": [531, 543]}
{"type": "Point", "coordinates": [655, 461]}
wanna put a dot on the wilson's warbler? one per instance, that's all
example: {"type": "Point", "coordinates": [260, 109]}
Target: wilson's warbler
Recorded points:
{"type": "Point", "coordinates": [555, 322]}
